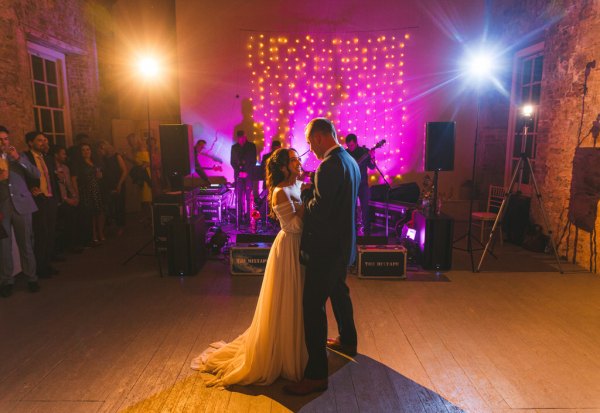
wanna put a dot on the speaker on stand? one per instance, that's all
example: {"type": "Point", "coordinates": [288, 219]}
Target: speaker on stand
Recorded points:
{"type": "Point", "coordinates": [434, 229]}
{"type": "Point", "coordinates": [177, 156]}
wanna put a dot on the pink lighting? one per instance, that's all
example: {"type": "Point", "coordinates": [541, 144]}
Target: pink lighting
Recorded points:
{"type": "Point", "coordinates": [326, 80]}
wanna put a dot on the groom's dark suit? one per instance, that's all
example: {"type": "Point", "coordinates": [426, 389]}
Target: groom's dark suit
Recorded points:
{"type": "Point", "coordinates": [328, 247]}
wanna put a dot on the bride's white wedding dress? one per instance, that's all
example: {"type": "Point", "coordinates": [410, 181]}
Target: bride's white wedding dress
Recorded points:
{"type": "Point", "coordinates": [273, 345]}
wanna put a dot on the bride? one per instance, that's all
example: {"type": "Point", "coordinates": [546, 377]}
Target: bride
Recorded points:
{"type": "Point", "coordinates": [273, 345]}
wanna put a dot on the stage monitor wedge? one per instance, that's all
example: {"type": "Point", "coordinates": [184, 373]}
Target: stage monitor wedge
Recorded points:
{"type": "Point", "coordinates": [439, 146]}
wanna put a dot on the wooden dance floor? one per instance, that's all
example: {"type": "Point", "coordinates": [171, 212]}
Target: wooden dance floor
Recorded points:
{"type": "Point", "coordinates": [103, 337]}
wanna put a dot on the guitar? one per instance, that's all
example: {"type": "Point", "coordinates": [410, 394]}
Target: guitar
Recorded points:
{"type": "Point", "coordinates": [368, 154]}
{"type": "Point", "coordinates": [216, 168]}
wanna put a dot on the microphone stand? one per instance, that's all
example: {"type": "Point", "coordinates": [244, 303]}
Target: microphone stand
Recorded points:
{"type": "Point", "coordinates": [387, 198]}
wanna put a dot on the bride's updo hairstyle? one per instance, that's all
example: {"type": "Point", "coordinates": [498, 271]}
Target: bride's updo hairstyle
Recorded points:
{"type": "Point", "coordinates": [274, 176]}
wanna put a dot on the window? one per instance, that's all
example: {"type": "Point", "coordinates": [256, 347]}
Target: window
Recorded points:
{"type": "Point", "coordinates": [49, 93]}
{"type": "Point", "coordinates": [523, 133]}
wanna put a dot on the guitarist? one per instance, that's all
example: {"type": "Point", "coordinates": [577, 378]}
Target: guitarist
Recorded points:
{"type": "Point", "coordinates": [364, 195]}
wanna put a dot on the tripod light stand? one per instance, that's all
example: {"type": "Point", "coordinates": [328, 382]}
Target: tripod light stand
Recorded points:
{"type": "Point", "coordinates": [149, 69]}
{"type": "Point", "coordinates": [469, 234]}
{"type": "Point", "coordinates": [523, 162]}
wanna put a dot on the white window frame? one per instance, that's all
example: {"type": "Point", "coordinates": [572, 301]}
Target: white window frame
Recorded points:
{"type": "Point", "coordinates": [514, 113]}
{"type": "Point", "coordinates": [59, 58]}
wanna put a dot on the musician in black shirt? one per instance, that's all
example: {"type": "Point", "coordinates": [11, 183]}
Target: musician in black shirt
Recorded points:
{"type": "Point", "coordinates": [243, 160]}
{"type": "Point", "coordinates": [364, 195]}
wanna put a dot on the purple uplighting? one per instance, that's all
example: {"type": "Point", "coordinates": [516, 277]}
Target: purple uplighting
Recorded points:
{"type": "Point", "coordinates": [354, 79]}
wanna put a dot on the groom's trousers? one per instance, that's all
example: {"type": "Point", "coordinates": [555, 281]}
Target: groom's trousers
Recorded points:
{"type": "Point", "coordinates": [325, 278]}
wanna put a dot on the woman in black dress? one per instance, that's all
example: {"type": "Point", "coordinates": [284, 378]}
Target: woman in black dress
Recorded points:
{"type": "Point", "coordinates": [86, 178]}
{"type": "Point", "coordinates": [114, 173]}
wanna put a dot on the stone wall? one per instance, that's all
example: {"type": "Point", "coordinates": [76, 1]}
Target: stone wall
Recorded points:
{"type": "Point", "coordinates": [64, 26]}
{"type": "Point", "coordinates": [571, 34]}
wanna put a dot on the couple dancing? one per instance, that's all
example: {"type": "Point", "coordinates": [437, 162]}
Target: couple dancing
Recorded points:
{"type": "Point", "coordinates": [288, 333]}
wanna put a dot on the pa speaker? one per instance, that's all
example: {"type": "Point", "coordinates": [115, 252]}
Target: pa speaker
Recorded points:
{"type": "Point", "coordinates": [177, 156]}
{"type": "Point", "coordinates": [439, 146]}
{"type": "Point", "coordinates": [186, 248]}
{"type": "Point", "coordinates": [434, 236]}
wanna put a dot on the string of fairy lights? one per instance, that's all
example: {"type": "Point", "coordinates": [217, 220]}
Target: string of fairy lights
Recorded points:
{"type": "Point", "coordinates": [354, 80]}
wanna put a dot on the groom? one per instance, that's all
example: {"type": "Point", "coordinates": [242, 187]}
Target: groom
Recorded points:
{"type": "Point", "coordinates": [327, 249]}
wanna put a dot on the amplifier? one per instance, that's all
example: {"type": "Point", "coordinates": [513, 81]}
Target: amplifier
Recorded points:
{"type": "Point", "coordinates": [167, 207]}
{"type": "Point", "coordinates": [382, 261]}
{"type": "Point", "coordinates": [398, 213]}
{"type": "Point", "coordinates": [249, 259]}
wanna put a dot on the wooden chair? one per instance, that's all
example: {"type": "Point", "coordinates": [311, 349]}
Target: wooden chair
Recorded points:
{"type": "Point", "coordinates": [495, 198]}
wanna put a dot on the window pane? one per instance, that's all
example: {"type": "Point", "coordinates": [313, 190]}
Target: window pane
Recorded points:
{"type": "Point", "coordinates": [36, 116]}
{"type": "Point", "coordinates": [51, 72]}
{"type": "Point", "coordinates": [537, 68]}
{"type": "Point", "coordinates": [526, 73]}
{"type": "Point", "coordinates": [40, 94]}
{"type": "Point", "coordinates": [50, 137]}
{"type": "Point", "coordinates": [53, 97]}
{"type": "Point", "coordinates": [529, 146]}
{"type": "Point", "coordinates": [536, 91]}
{"type": "Point", "coordinates": [525, 98]}
{"type": "Point", "coordinates": [59, 123]}
{"type": "Point", "coordinates": [60, 140]}
{"type": "Point", "coordinates": [517, 146]}
{"type": "Point", "coordinates": [37, 64]}
{"type": "Point", "coordinates": [46, 120]}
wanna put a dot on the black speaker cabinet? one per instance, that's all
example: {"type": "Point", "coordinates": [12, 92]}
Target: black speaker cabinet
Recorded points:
{"type": "Point", "coordinates": [186, 249]}
{"type": "Point", "coordinates": [439, 146]}
{"type": "Point", "coordinates": [168, 207]}
{"type": "Point", "coordinates": [516, 219]}
{"type": "Point", "coordinates": [177, 155]}
{"type": "Point", "coordinates": [434, 237]}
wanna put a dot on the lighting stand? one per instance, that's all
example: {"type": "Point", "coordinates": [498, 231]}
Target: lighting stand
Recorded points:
{"type": "Point", "coordinates": [523, 161]}
{"type": "Point", "coordinates": [469, 234]}
{"type": "Point", "coordinates": [387, 198]}
{"type": "Point", "coordinates": [152, 240]}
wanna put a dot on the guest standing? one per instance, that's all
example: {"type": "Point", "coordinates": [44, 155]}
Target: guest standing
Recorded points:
{"type": "Point", "coordinates": [114, 174]}
{"type": "Point", "coordinates": [16, 207]}
{"type": "Point", "coordinates": [44, 190]}
{"type": "Point", "coordinates": [86, 178]}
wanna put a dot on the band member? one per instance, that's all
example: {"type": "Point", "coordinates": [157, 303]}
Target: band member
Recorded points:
{"type": "Point", "coordinates": [198, 148]}
{"type": "Point", "coordinates": [364, 195]}
{"type": "Point", "coordinates": [275, 144]}
{"type": "Point", "coordinates": [243, 159]}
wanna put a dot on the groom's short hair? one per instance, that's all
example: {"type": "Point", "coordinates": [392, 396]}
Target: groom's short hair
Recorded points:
{"type": "Point", "coordinates": [321, 125]}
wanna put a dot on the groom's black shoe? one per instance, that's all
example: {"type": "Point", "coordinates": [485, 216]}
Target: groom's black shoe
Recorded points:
{"type": "Point", "coordinates": [336, 345]}
{"type": "Point", "coordinates": [306, 386]}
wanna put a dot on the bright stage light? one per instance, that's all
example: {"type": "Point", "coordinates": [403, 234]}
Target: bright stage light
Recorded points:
{"type": "Point", "coordinates": [527, 110]}
{"type": "Point", "coordinates": [481, 65]}
{"type": "Point", "coordinates": [148, 67]}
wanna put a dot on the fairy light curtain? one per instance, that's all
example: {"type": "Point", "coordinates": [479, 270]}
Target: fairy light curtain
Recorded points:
{"type": "Point", "coordinates": [356, 80]}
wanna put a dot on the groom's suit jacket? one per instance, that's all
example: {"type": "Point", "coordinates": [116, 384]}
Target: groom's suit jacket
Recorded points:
{"type": "Point", "coordinates": [330, 206]}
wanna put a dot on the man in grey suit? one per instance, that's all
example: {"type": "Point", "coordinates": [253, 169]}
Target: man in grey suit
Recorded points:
{"type": "Point", "coordinates": [16, 207]}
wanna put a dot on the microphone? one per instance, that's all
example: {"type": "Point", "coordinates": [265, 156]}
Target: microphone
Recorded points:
{"type": "Point", "coordinates": [589, 66]}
